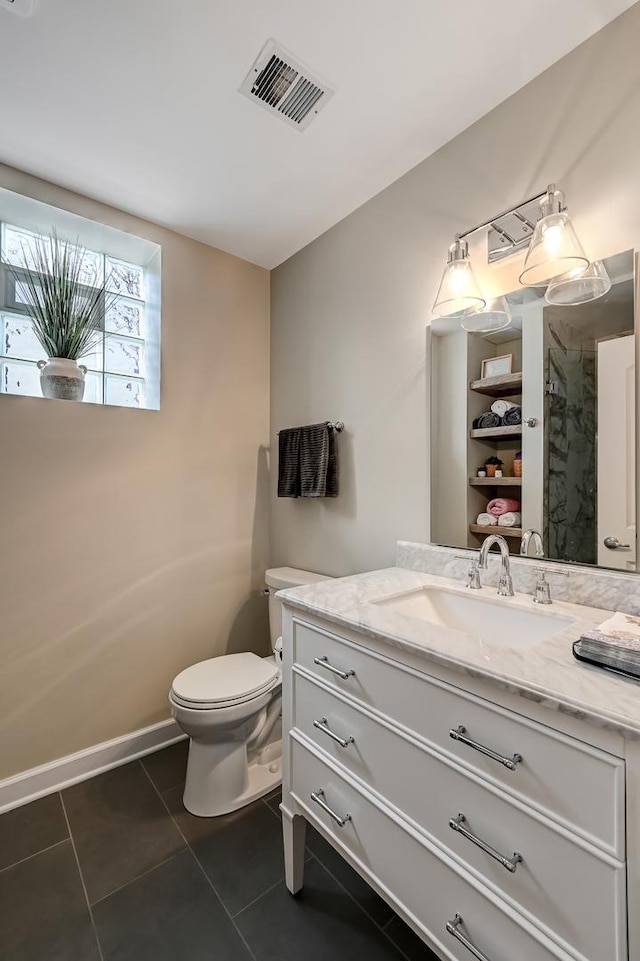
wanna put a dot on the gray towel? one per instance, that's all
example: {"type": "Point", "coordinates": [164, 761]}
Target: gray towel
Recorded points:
{"type": "Point", "coordinates": [318, 461]}
{"type": "Point", "coordinates": [289, 462]}
{"type": "Point", "coordinates": [486, 420]}
{"type": "Point", "coordinates": [308, 462]}
{"type": "Point", "coordinates": [512, 417]}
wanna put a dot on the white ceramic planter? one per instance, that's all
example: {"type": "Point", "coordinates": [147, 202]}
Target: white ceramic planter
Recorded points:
{"type": "Point", "coordinates": [61, 378]}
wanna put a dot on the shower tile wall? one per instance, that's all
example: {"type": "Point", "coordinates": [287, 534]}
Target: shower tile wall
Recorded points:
{"type": "Point", "coordinates": [571, 338]}
{"type": "Point", "coordinates": [571, 467]}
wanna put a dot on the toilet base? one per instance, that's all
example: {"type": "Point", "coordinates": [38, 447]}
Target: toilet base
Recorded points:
{"type": "Point", "coordinates": [263, 774]}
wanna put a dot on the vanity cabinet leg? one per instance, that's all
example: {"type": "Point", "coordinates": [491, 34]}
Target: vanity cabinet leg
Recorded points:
{"type": "Point", "coordinates": [294, 830]}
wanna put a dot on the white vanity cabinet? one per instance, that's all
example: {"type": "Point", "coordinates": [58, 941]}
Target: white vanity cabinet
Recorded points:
{"type": "Point", "coordinates": [493, 826]}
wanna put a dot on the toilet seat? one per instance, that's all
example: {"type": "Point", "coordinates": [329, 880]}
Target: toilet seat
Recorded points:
{"type": "Point", "coordinates": [224, 681]}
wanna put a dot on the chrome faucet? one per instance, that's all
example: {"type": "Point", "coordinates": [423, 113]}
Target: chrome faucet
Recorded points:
{"type": "Point", "coordinates": [529, 536]}
{"type": "Point", "coordinates": [505, 585]}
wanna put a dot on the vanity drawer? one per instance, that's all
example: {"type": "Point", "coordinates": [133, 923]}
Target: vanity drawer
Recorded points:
{"type": "Point", "coordinates": [559, 879]}
{"type": "Point", "coordinates": [427, 887]}
{"type": "Point", "coordinates": [579, 786]}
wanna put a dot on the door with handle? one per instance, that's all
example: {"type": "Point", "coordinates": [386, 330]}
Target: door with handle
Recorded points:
{"type": "Point", "coordinates": [533, 377]}
{"type": "Point", "coordinates": [616, 454]}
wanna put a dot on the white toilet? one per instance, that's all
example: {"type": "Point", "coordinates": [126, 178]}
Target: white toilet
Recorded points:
{"type": "Point", "coordinates": [230, 708]}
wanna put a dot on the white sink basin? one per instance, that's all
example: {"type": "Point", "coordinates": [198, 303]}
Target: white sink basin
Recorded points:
{"type": "Point", "coordinates": [487, 616]}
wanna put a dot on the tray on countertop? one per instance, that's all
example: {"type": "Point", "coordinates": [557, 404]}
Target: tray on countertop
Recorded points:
{"type": "Point", "coordinates": [608, 663]}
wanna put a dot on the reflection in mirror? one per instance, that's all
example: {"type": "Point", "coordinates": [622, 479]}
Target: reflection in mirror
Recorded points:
{"type": "Point", "coordinates": [533, 427]}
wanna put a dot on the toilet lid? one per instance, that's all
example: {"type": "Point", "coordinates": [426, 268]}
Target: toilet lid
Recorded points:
{"type": "Point", "coordinates": [225, 678]}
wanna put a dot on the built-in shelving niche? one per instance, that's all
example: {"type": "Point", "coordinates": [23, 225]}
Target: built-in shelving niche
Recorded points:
{"type": "Point", "coordinates": [501, 441]}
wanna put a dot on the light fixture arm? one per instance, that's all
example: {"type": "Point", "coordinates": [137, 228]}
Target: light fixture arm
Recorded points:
{"type": "Point", "coordinates": [550, 193]}
{"type": "Point", "coordinates": [459, 250]}
{"type": "Point", "coordinates": [553, 202]}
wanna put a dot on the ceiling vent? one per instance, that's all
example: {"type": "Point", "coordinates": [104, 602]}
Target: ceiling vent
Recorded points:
{"type": "Point", "coordinates": [284, 86]}
{"type": "Point", "coordinates": [24, 8]}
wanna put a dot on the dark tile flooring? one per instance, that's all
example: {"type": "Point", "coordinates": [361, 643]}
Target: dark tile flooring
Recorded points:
{"type": "Point", "coordinates": [114, 869]}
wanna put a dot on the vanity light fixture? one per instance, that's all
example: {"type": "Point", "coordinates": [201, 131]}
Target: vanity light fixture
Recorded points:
{"type": "Point", "coordinates": [555, 259]}
{"type": "Point", "coordinates": [554, 249]}
{"type": "Point", "coordinates": [458, 288]}
{"type": "Point", "coordinates": [579, 286]}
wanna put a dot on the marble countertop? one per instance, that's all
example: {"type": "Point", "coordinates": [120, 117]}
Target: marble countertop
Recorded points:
{"type": "Point", "coordinates": [546, 672]}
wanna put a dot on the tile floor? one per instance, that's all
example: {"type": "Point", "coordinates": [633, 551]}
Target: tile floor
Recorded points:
{"type": "Point", "coordinates": [114, 869]}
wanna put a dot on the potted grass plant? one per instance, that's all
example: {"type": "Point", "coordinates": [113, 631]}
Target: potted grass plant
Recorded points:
{"type": "Point", "coordinates": [67, 313]}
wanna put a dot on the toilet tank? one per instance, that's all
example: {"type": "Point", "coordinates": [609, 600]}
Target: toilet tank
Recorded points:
{"type": "Point", "coordinates": [277, 579]}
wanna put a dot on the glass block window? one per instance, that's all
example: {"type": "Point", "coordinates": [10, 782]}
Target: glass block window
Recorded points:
{"type": "Point", "coordinates": [123, 369]}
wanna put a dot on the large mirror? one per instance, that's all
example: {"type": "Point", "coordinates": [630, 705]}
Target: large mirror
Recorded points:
{"type": "Point", "coordinates": [539, 417]}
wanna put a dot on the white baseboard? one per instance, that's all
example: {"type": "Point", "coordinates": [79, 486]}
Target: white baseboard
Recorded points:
{"type": "Point", "coordinates": [47, 778]}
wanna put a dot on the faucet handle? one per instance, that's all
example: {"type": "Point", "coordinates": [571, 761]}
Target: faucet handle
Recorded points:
{"type": "Point", "coordinates": [545, 570]}
{"type": "Point", "coordinates": [473, 574]}
{"type": "Point", "coordinates": [473, 577]}
{"type": "Point", "coordinates": [542, 593]}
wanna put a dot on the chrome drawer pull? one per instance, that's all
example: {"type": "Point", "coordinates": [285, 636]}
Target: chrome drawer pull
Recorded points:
{"type": "Point", "coordinates": [323, 725]}
{"type": "Point", "coordinates": [324, 662]}
{"type": "Point", "coordinates": [318, 796]}
{"type": "Point", "coordinates": [456, 824]}
{"type": "Point", "coordinates": [453, 927]}
{"type": "Point", "coordinates": [458, 734]}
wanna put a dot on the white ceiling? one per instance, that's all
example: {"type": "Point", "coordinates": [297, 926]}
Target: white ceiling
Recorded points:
{"type": "Point", "coordinates": [136, 103]}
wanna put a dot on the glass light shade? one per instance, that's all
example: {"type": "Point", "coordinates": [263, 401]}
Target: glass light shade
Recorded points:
{"type": "Point", "coordinates": [554, 250]}
{"type": "Point", "coordinates": [495, 315]}
{"type": "Point", "coordinates": [579, 287]}
{"type": "Point", "coordinates": [458, 288]}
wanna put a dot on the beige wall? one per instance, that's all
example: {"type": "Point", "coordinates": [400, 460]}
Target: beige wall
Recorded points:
{"type": "Point", "coordinates": [133, 543]}
{"type": "Point", "coordinates": [349, 311]}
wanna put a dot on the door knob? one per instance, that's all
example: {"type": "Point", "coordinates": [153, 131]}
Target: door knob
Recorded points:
{"type": "Point", "coordinates": [531, 421]}
{"type": "Point", "coordinates": [613, 544]}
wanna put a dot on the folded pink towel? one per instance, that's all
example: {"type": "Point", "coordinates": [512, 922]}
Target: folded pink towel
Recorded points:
{"type": "Point", "coordinates": [502, 505]}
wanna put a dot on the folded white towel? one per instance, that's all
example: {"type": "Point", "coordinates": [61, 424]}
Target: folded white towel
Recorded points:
{"type": "Point", "coordinates": [510, 519]}
{"type": "Point", "coordinates": [500, 407]}
{"type": "Point", "coordinates": [486, 520]}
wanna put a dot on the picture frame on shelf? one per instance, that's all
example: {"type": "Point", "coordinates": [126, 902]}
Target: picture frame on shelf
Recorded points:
{"type": "Point", "coordinates": [495, 366]}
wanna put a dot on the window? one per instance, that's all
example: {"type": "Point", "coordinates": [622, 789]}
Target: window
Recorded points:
{"type": "Point", "coordinates": [124, 368]}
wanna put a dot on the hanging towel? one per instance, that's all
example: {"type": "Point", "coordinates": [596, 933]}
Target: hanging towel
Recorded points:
{"type": "Point", "coordinates": [289, 462]}
{"type": "Point", "coordinates": [512, 417]}
{"type": "Point", "coordinates": [308, 462]}
{"type": "Point", "coordinates": [332, 466]}
{"type": "Point", "coordinates": [318, 461]}
{"type": "Point", "coordinates": [486, 420]}
{"type": "Point", "coordinates": [501, 505]}
{"type": "Point", "coordinates": [486, 520]}
{"type": "Point", "coordinates": [510, 519]}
